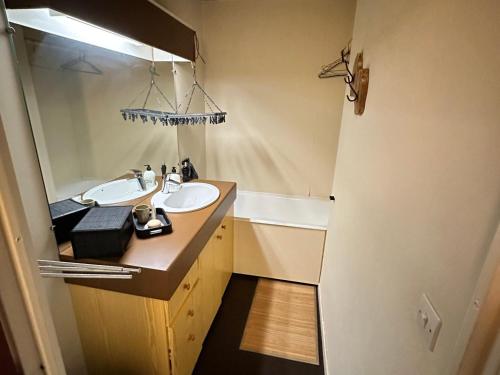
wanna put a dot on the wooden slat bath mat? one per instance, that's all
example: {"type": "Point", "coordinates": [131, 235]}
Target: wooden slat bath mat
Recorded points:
{"type": "Point", "coordinates": [282, 321]}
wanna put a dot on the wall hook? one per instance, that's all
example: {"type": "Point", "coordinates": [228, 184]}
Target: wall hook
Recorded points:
{"type": "Point", "coordinates": [357, 80]}
{"type": "Point", "coordinates": [360, 89]}
{"type": "Point", "coordinates": [358, 84]}
{"type": "Point", "coordinates": [353, 93]}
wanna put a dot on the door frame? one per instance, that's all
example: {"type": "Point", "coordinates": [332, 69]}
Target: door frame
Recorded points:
{"type": "Point", "coordinates": [473, 347]}
{"type": "Point", "coordinates": [26, 306]}
{"type": "Point", "coordinates": [26, 309]}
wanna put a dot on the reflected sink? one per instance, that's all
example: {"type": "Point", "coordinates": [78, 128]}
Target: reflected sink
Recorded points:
{"type": "Point", "coordinates": [191, 197]}
{"type": "Point", "coordinates": [118, 191]}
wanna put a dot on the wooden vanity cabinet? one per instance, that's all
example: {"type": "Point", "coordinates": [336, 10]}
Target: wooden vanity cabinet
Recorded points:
{"type": "Point", "coordinates": [216, 267]}
{"type": "Point", "coordinates": [128, 334]}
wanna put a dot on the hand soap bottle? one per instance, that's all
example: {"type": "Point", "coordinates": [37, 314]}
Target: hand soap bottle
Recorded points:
{"type": "Point", "coordinates": [149, 176]}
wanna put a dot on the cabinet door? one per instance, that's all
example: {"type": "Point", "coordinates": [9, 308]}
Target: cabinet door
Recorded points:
{"type": "Point", "coordinates": [209, 300]}
{"type": "Point", "coordinates": [121, 333]}
{"type": "Point", "coordinates": [227, 232]}
{"type": "Point", "coordinates": [223, 253]}
{"type": "Point", "coordinates": [218, 250]}
{"type": "Point", "coordinates": [185, 337]}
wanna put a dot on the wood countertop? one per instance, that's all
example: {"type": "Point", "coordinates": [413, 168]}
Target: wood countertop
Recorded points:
{"type": "Point", "coordinates": [164, 259]}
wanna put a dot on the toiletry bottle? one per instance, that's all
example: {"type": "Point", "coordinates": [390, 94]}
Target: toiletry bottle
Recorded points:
{"type": "Point", "coordinates": [149, 176]}
{"type": "Point", "coordinates": [163, 171]}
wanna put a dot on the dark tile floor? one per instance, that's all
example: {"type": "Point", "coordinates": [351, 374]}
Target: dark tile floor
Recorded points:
{"type": "Point", "coordinates": [221, 354]}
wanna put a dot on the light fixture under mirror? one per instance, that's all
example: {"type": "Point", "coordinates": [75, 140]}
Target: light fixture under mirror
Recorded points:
{"type": "Point", "coordinates": [74, 91]}
{"type": "Point", "coordinates": [56, 23]}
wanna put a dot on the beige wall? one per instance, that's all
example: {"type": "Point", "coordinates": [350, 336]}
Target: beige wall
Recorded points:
{"type": "Point", "coordinates": [110, 146]}
{"type": "Point", "coordinates": [417, 184]}
{"type": "Point", "coordinates": [86, 137]}
{"type": "Point", "coordinates": [263, 57]}
{"type": "Point", "coordinates": [57, 125]}
{"type": "Point", "coordinates": [191, 139]}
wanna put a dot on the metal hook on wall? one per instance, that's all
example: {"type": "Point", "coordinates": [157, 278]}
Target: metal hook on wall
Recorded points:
{"type": "Point", "coordinates": [353, 92]}
{"type": "Point", "coordinates": [357, 79]}
{"type": "Point", "coordinates": [349, 79]}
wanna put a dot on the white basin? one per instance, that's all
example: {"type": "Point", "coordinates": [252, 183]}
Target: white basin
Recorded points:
{"type": "Point", "coordinates": [191, 197]}
{"type": "Point", "coordinates": [118, 191]}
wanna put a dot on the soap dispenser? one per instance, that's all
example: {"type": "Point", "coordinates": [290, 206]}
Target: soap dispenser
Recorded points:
{"type": "Point", "coordinates": [149, 176]}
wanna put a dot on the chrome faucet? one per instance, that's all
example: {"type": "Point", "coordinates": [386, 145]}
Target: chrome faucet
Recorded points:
{"type": "Point", "coordinates": [138, 175]}
{"type": "Point", "coordinates": [169, 183]}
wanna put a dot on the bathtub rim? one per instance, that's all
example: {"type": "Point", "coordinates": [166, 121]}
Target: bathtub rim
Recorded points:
{"type": "Point", "coordinates": [280, 223]}
{"type": "Point", "coordinates": [286, 196]}
{"type": "Point", "coordinates": [285, 223]}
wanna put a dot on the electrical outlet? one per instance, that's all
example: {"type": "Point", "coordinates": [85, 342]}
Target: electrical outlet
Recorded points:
{"type": "Point", "coordinates": [429, 321]}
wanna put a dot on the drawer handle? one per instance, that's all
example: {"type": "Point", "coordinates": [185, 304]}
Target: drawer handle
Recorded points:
{"type": "Point", "coordinates": [190, 312]}
{"type": "Point", "coordinates": [219, 237]}
{"type": "Point", "coordinates": [187, 286]}
{"type": "Point", "coordinates": [191, 337]}
{"type": "Point", "coordinates": [223, 226]}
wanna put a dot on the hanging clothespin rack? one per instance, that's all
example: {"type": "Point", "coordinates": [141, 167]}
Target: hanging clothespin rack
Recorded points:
{"type": "Point", "coordinates": [215, 116]}
{"type": "Point", "coordinates": [357, 79]}
{"type": "Point", "coordinates": [177, 116]}
{"type": "Point", "coordinates": [131, 113]}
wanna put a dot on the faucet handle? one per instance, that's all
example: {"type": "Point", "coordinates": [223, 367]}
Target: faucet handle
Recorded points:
{"type": "Point", "coordinates": [136, 172]}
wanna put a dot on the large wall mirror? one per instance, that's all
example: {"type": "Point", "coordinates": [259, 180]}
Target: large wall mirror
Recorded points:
{"type": "Point", "coordinates": [74, 91]}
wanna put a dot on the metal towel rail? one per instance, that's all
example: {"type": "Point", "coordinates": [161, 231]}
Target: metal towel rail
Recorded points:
{"type": "Point", "coordinates": [74, 270]}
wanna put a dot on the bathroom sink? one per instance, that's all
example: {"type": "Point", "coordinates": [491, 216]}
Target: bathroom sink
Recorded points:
{"type": "Point", "coordinates": [118, 191]}
{"type": "Point", "coordinates": [192, 196]}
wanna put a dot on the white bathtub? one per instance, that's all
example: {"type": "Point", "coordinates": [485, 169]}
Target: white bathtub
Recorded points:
{"type": "Point", "coordinates": [279, 236]}
{"type": "Point", "coordinates": [292, 211]}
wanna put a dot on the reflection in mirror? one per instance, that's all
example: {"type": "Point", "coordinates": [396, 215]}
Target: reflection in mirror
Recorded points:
{"type": "Point", "coordinates": [191, 139]}
{"type": "Point", "coordinates": [74, 92]}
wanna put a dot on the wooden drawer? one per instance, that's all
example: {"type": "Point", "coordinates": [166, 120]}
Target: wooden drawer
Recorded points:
{"type": "Point", "coordinates": [185, 335]}
{"type": "Point", "coordinates": [182, 291]}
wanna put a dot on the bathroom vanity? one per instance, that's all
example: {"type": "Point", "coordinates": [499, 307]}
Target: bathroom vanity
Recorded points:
{"type": "Point", "coordinates": [156, 322]}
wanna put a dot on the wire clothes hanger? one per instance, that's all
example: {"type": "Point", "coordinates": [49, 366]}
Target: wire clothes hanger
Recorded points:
{"type": "Point", "coordinates": [81, 65]}
{"type": "Point", "coordinates": [330, 71]}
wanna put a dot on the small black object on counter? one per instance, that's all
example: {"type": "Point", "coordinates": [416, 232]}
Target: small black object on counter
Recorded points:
{"type": "Point", "coordinates": [166, 226]}
{"type": "Point", "coordinates": [163, 170]}
{"type": "Point", "coordinates": [65, 216]}
{"type": "Point", "coordinates": [188, 171]}
{"type": "Point", "coordinates": [103, 232]}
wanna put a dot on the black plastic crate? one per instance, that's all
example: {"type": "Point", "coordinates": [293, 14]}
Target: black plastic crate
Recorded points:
{"type": "Point", "coordinates": [103, 232]}
{"type": "Point", "coordinates": [66, 215]}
